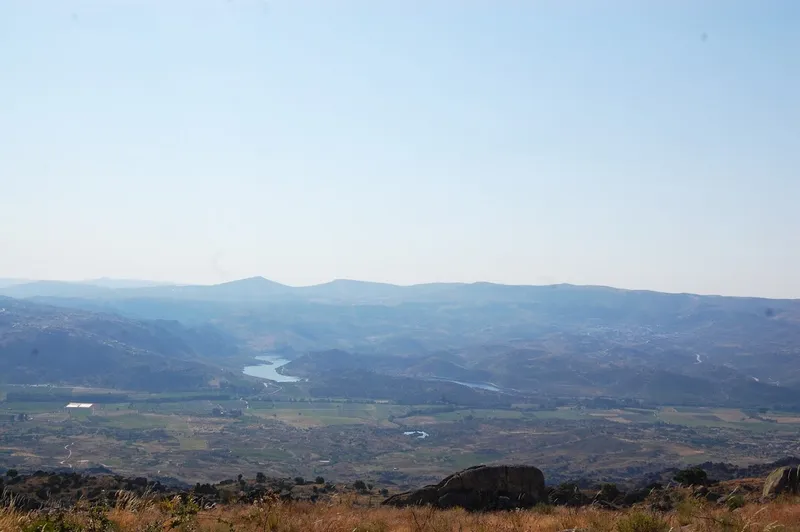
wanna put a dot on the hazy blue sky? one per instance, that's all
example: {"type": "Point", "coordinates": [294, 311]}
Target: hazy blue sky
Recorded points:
{"type": "Point", "coordinates": [641, 144]}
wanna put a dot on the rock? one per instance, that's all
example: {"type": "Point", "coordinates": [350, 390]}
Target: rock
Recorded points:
{"type": "Point", "coordinates": [505, 503]}
{"type": "Point", "coordinates": [782, 480]}
{"type": "Point", "coordinates": [420, 497]}
{"type": "Point", "coordinates": [480, 488]}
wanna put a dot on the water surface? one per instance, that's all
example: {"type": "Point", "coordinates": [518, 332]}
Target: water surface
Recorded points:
{"type": "Point", "coordinates": [270, 371]}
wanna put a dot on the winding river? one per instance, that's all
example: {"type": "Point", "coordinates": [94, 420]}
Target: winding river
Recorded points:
{"type": "Point", "coordinates": [269, 371]}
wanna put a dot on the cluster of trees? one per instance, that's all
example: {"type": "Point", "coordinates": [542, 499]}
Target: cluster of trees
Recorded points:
{"type": "Point", "coordinates": [261, 478]}
{"type": "Point", "coordinates": [693, 476]}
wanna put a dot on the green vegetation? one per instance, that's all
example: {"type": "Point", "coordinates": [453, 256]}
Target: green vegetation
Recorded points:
{"type": "Point", "coordinates": [642, 522]}
{"type": "Point", "coordinates": [693, 476]}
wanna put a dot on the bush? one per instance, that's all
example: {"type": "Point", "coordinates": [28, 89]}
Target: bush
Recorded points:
{"type": "Point", "coordinates": [687, 509]}
{"type": "Point", "coordinates": [261, 477]}
{"type": "Point", "coordinates": [319, 480]}
{"type": "Point", "coordinates": [56, 523]}
{"type": "Point", "coordinates": [299, 481]}
{"type": "Point", "coordinates": [359, 485]}
{"type": "Point", "coordinates": [567, 494]}
{"type": "Point", "coordinates": [693, 476]}
{"type": "Point", "coordinates": [735, 501]}
{"type": "Point", "coordinates": [608, 493]}
{"type": "Point", "coordinates": [642, 522]}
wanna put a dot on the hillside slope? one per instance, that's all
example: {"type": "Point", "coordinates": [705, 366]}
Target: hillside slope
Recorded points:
{"type": "Point", "coordinates": [41, 344]}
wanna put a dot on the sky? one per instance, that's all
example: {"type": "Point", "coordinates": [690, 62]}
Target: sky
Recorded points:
{"type": "Point", "coordinates": [633, 144]}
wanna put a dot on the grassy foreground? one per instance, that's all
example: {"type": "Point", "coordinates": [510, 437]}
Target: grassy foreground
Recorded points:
{"type": "Point", "coordinates": [345, 515]}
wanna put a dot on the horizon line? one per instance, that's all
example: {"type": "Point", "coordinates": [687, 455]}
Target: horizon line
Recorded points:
{"type": "Point", "coordinates": [173, 284]}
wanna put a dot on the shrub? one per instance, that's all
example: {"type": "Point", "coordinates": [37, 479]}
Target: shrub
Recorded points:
{"type": "Point", "coordinates": [58, 522]}
{"type": "Point", "coordinates": [608, 492]}
{"type": "Point", "coordinates": [319, 480]}
{"type": "Point", "coordinates": [687, 509]}
{"type": "Point", "coordinates": [735, 501]}
{"type": "Point", "coordinates": [693, 476]}
{"type": "Point", "coordinates": [642, 522]}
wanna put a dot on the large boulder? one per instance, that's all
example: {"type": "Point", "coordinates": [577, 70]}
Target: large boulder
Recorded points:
{"type": "Point", "coordinates": [480, 488]}
{"type": "Point", "coordinates": [782, 480]}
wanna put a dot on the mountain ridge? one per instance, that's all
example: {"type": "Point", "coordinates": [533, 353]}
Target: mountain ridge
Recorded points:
{"type": "Point", "coordinates": [258, 287]}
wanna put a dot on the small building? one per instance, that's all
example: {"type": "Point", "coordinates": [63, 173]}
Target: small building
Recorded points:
{"type": "Point", "coordinates": [80, 407]}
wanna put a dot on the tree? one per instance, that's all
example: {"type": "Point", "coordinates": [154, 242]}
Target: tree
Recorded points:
{"type": "Point", "coordinates": [319, 480]}
{"type": "Point", "coordinates": [261, 477]}
{"type": "Point", "coordinates": [693, 476]}
{"type": "Point", "coordinates": [299, 481]}
{"type": "Point", "coordinates": [608, 493]}
{"type": "Point", "coordinates": [12, 473]}
{"type": "Point", "coordinates": [359, 485]}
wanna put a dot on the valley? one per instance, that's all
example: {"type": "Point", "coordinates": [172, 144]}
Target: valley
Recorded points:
{"type": "Point", "coordinates": [289, 434]}
{"type": "Point", "coordinates": [393, 385]}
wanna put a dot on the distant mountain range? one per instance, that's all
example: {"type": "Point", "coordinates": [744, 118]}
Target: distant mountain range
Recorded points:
{"type": "Point", "coordinates": [344, 290]}
{"type": "Point", "coordinates": [88, 288]}
{"type": "Point", "coordinates": [559, 339]}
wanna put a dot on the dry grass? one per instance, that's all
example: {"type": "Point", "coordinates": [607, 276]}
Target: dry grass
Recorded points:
{"type": "Point", "coordinates": [342, 515]}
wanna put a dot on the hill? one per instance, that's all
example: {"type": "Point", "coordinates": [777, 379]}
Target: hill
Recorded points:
{"type": "Point", "coordinates": [41, 344]}
{"type": "Point", "coordinates": [561, 340]}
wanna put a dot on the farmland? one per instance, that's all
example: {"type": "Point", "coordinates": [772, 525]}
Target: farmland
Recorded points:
{"type": "Point", "coordinates": [186, 438]}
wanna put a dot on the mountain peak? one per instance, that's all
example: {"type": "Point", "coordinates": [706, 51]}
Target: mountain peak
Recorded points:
{"type": "Point", "coordinates": [252, 281]}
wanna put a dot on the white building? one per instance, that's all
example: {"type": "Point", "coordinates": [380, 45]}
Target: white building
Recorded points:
{"type": "Point", "coordinates": [80, 407]}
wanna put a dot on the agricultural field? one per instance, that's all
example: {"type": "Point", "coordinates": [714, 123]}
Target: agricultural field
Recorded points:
{"type": "Point", "coordinates": [187, 438]}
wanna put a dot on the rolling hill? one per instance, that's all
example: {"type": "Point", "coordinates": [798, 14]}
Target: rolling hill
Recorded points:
{"type": "Point", "coordinates": [559, 339]}
{"type": "Point", "coordinates": [41, 344]}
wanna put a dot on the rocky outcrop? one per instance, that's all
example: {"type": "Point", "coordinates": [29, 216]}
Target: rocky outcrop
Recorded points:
{"type": "Point", "coordinates": [480, 488]}
{"type": "Point", "coordinates": [782, 480]}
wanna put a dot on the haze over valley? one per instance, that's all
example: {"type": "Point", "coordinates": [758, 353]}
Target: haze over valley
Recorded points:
{"type": "Point", "coordinates": [489, 373]}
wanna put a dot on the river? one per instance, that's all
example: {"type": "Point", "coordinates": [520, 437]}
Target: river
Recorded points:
{"type": "Point", "coordinates": [479, 385]}
{"type": "Point", "coordinates": [270, 371]}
